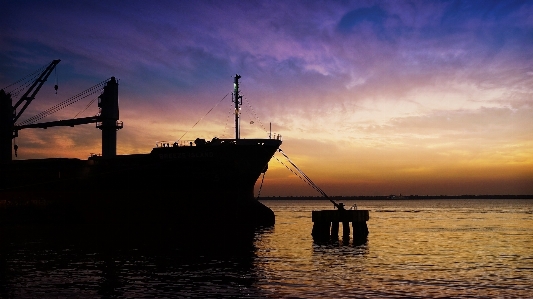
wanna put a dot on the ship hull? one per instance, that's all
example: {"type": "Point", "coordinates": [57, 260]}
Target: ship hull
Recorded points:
{"type": "Point", "coordinates": [208, 183]}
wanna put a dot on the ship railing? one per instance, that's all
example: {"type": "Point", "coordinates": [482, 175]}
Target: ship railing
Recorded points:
{"type": "Point", "coordinates": [174, 143]}
{"type": "Point", "coordinates": [275, 136]}
{"type": "Point", "coordinates": [215, 141]}
{"type": "Point", "coordinates": [186, 142]}
{"type": "Point", "coordinates": [260, 141]}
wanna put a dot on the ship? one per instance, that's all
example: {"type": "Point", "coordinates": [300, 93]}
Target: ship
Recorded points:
{"type": "Point", "coordinates": [177, 183]}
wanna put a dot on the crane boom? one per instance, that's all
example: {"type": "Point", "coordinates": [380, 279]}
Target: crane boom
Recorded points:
{"type": "Point", "coordinates": [61, 123]}
{"type": "Point", "coordinates": [34, 89]}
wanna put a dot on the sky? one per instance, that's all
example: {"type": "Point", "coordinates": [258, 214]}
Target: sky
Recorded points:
{"type": "Point", "coordinates": [371, 97]}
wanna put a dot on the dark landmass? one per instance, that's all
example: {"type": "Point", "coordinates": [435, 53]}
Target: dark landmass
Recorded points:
{"type": "Point", "coordinates": [400, 197]}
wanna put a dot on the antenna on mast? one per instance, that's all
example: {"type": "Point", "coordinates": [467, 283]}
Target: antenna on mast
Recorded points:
{"type": "Point", "coordinates": [237, 99]}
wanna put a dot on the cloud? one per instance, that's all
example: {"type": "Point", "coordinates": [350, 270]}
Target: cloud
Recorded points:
{"type": "Point", "coordinates": [437, 77]}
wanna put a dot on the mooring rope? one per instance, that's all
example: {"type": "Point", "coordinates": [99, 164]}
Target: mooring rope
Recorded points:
{"type": "Point", "coordinates": [307, 179]}
{"type": "Point", "coordinates": [261, 186]}
{"type": "Point", "coordinates": [301, 174]}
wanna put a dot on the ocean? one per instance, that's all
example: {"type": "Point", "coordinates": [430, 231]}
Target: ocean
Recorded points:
{"type": "Point", "coordinates": [453, 248]}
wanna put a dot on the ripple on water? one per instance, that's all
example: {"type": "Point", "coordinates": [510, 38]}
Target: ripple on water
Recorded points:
{"type": "Point", "coordinates": [421, 249]}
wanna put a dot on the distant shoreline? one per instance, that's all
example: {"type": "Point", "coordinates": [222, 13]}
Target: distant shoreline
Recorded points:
{"type": "Point", "coordinates": [397, 197]}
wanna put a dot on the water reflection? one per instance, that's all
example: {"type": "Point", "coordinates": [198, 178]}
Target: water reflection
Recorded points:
{"type": "Point", "coordinates": [51, 262]}
{"type": "Point", "coordinates": [421, 249]}
{"type": "Point", "coordinates": [343, 241]}
{"type": "Point", "coordinates": [416, 249]}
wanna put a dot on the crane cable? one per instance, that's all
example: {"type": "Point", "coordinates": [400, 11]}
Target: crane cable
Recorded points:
{"type": "Point", "coordinates": [32, 75]}
{"type": "Point", "coordinates": [23, 86]}
{"type": "Point", "coordinates": [86, 107]}
{"type": "Point", "coordinates": [86, 93]}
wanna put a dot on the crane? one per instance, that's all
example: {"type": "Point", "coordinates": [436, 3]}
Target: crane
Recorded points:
{"type": "Point", "coordinates": [34, 89]}
{"type": "Point", "coordinates": [106, 120]}
{"type": "Point", "coordinates": [9, 115]}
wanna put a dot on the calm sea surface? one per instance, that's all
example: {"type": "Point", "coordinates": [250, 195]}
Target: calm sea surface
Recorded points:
{"type": "Point", "coordinates": [416, 249]}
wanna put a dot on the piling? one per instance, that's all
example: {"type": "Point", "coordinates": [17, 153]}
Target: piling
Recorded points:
{"type": "Point", "coordinates": [326, 225]}
{"type": "Point", "coordinates": [334, 229]}
{"type": "Point", "coordinates": [346, 230]}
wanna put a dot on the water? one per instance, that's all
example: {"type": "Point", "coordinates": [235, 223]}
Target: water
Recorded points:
{"type": "Point", "coordinates": [425, 249]}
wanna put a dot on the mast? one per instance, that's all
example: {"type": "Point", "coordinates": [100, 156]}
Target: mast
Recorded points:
{"type": "Point", "coordinates": [237, 99]}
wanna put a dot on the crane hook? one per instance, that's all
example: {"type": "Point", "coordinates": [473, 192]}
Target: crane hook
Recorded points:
{"type": "Point", "coordinates": [56, 87]}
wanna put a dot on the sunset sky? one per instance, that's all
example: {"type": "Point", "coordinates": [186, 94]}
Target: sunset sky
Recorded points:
{"type": "Point", "coordinates": [371, 97]}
